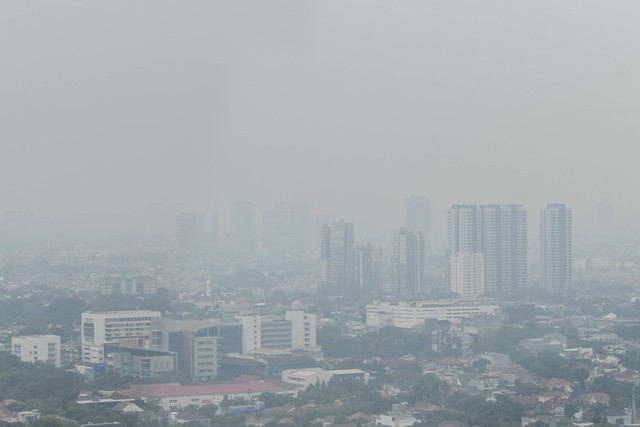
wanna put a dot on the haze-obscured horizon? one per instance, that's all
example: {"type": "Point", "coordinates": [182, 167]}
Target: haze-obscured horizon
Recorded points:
{"type": "Point", "coordinates": [130, 112]}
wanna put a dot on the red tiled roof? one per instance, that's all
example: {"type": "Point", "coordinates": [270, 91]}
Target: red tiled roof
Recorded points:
{"type": "Point", "coordinates": [527, 400]}
{"type": "Point", "coordinates": [360, 416]}
{"type": "Point", "coordinates": [555, 382]}
{"type": "Point", "coordinates": [452, 361]}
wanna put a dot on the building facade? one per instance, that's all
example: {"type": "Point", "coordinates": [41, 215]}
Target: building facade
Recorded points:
{"type": "Point", "coordinates": [139, 362]}
{"type": "Point", "coordinates": [139, 285]}
{"type": "Point", "coordinates": [37, 348]}
{"type": "Point", "coordinates": [407, 263]}
{"type": "Point", "coordinates": [297, 330]}
{"type": "Point", "coordinates": [556, 248]}
{"type": "Point", "coordinates": [125, 328]}
{"type": "Point", "coordinates": [499, 233]}
{"type": "Point", "coordinates": [413, 314]}
{"type": "Point", "coordinates": [467, 274]}
{"type": "Point", "coordinates": [337, 248]}
{"type": "Point", "coordinates": [197, 344]}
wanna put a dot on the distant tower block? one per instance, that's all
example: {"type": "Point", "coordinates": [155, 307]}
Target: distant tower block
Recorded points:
{"type": "Point", "coordinates": [208, 288]}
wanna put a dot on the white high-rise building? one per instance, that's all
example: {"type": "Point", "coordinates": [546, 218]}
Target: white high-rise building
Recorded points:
{"type": "Point", "coordinates": [126, 328]}
{"type": "Point", "coordinates": [467, 274]}
{"type": "Point", "coordinates": [556, 257]}
{"type": "Point", "coordinates": [37, 348]}
{"type": "Point", "coordinates": [499, 233]}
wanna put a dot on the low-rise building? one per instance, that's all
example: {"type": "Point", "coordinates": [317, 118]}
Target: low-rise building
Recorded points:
{"type": "Point", "coordinates": [172, 397]}
{"type": "Point", "coordinates": [37, 348]}
{"type": "Point", "coordinates": [413, 314]}
{"type": "Point", "coordinates": [303, 378]}
{"type": "Point", "coordinates": [139, 362]}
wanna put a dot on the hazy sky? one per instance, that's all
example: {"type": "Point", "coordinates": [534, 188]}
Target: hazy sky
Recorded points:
{"type": "Point", "coordinates": [151, 107]}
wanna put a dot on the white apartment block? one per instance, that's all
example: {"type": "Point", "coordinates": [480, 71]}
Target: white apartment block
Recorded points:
{"type": "Point", "coordinates": [409, 315]}
{"type": "Point", "coordinates": [37, 348]}
{"type": "Point", "coordinates": [467, 274]}
{"type": "Point", "coordinates": [303, 329]}
{"type": "Point", "coordinates": [125, 328]}
{"type": "Point", "coordinates": [296, 330]}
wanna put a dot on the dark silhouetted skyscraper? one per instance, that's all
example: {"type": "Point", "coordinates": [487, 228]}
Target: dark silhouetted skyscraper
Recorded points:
{"type": "Point", "coordinates": [407, 263]}
{"type": "Point", "coordinates": [337, 250]}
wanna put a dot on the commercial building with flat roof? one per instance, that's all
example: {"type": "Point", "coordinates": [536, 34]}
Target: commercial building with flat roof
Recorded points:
{"type": "Point", "coordinates": [413, 314]}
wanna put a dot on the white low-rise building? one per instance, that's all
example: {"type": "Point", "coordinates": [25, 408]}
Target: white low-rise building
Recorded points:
{"type": "Point", "coordinates": [303, 378]}
{"type": "Point", "coordinates": [37, 348]}
{"type": "Point", "coordinates": [126, 328]}
{"type": "Point", "coordinates": [172, 397]}
{"type": "Point", "coordinates": [413, 314]}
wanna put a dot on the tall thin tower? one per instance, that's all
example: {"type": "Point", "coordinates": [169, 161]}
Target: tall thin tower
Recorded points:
{"type": "Point", "coordinates": [338, 255]}
{"type": "Point", "coordinates": [556, 248]}
{"type": "Point", "coordinates": [407, 262]}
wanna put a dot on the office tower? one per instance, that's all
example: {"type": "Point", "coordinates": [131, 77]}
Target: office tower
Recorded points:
{"type": "Point", "coordinates": [37, 349]}
{"type": "Point", "coordinates": [365, 270]}
{"type": "Point", "coordinates": [286, 230]}
{"type": "Point", "coordinates": [242, 238]}
{"type": "Point", "coordinates": [197, 233]}
{"type": "Point", "coordinates": [604, 218]}
{"type": "Point", "coordinates": [338, 255]}
{"type": "Point", "coordinates": [125, 328]}
{"type": "Point", "coordinates": [499, 233]}
{"type": "Point", "coordinates": [407, 263]}
{"type": "Point", "coordinates": [467, 274]}
{"type": "Point", "coordinates": [417, 217]}
{"type": "Point", "coordinates": [556, 241]}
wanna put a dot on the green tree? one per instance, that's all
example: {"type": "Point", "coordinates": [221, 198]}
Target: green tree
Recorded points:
{"type": "Point", "coordinates": [425, 388]}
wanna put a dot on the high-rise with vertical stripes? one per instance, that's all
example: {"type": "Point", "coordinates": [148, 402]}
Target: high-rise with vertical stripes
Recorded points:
{"type": "Point", "coordinates": [338, 255]}
{"type": "Point", "coordinates": [556, 244]}
{"type": "Point", "coordinates": [499, 233]}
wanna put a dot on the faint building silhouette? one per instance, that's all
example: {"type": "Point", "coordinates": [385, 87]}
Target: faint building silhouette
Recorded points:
{"type": "Point", "coordinates": [197, 233]}
{"type": "Point", "coordinates": [241, 241]}
{"type": "Point", "coordinates": [417, 217]}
